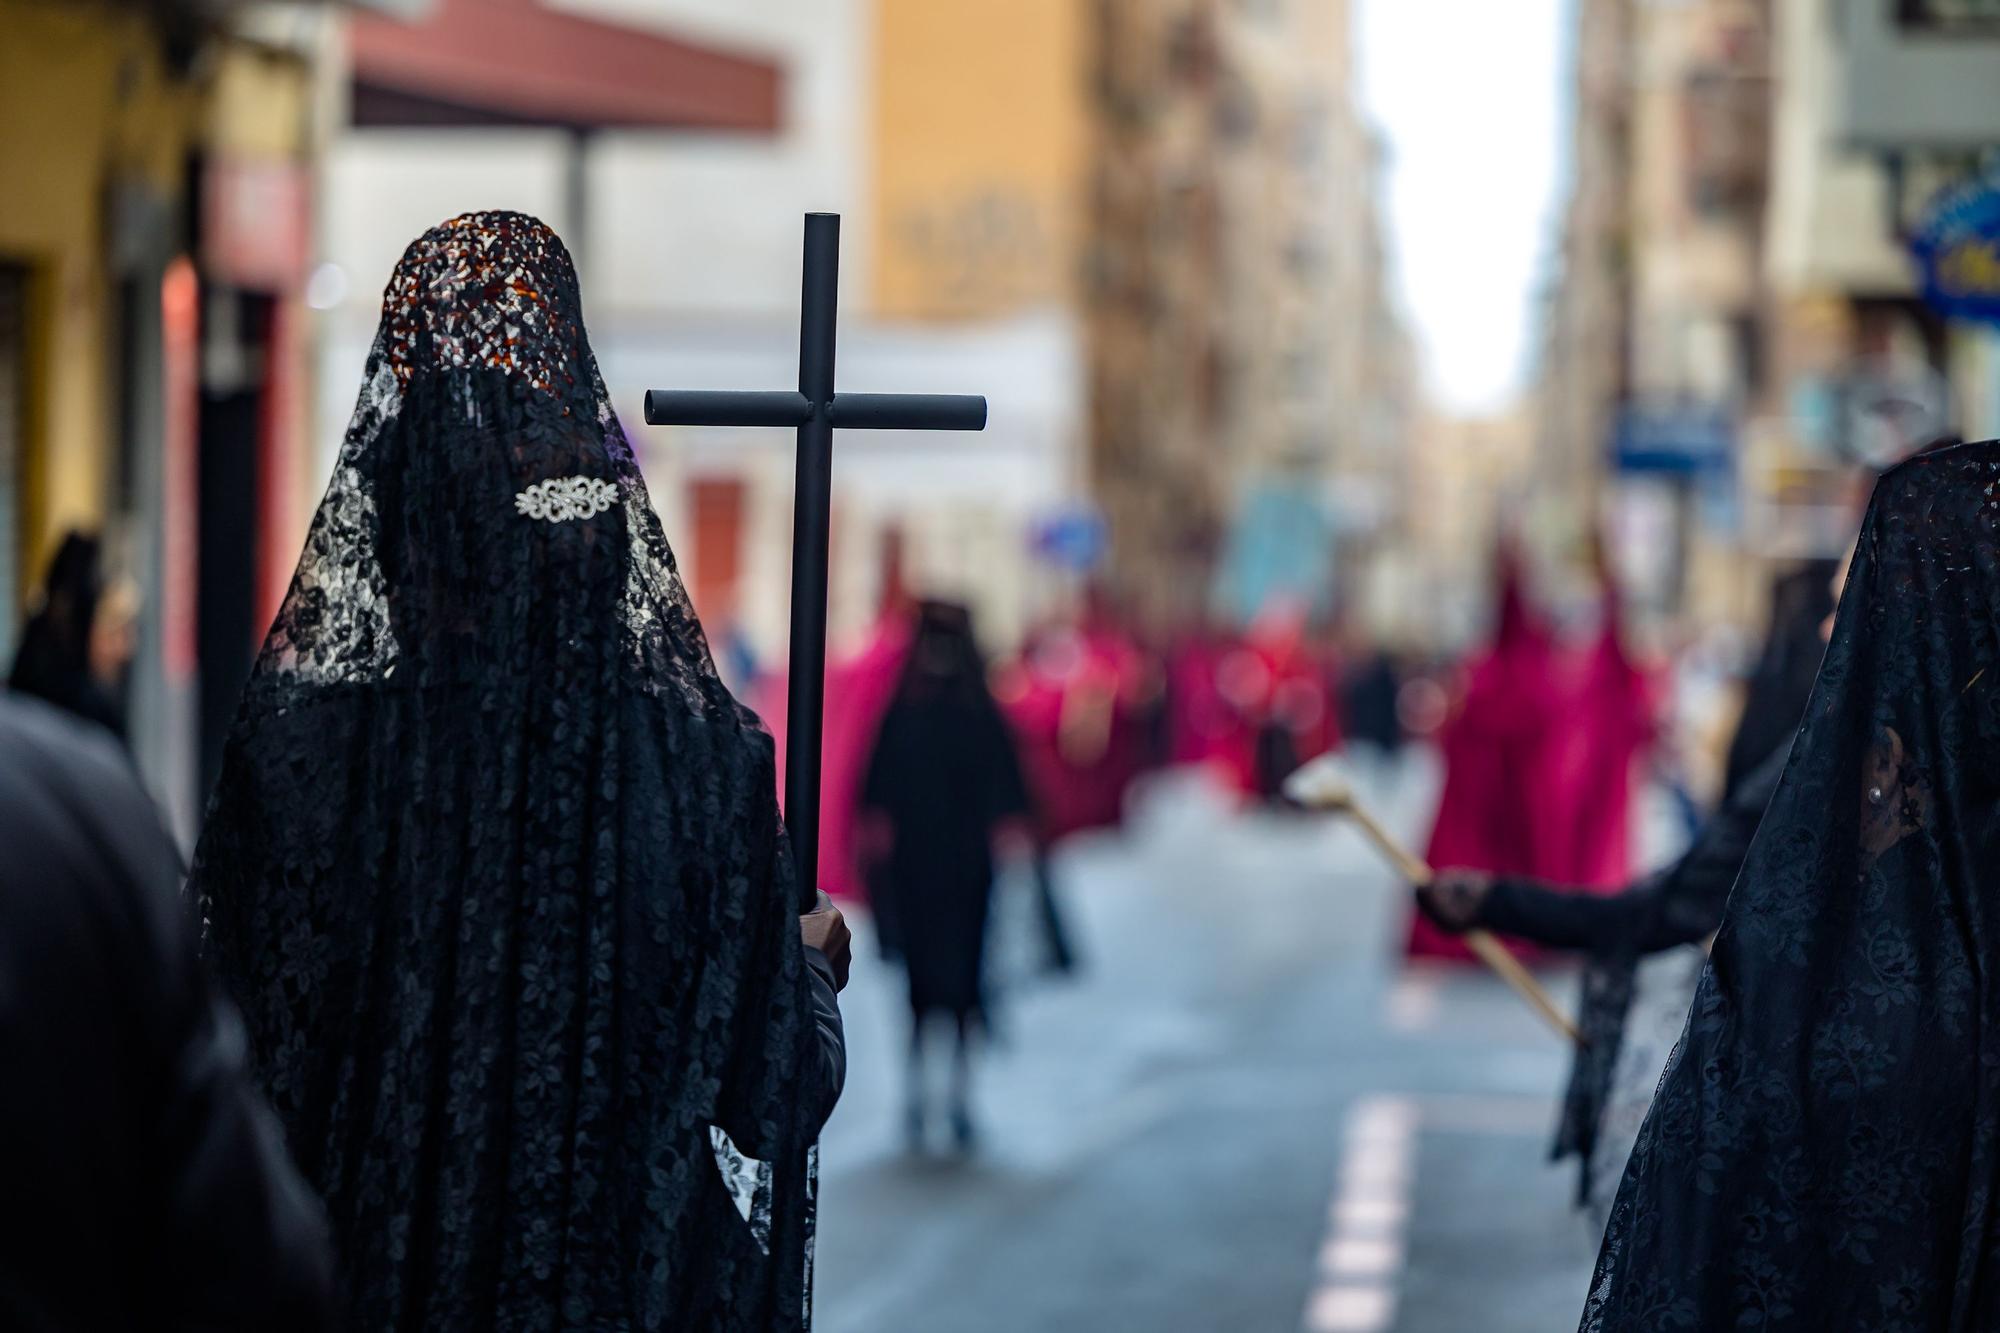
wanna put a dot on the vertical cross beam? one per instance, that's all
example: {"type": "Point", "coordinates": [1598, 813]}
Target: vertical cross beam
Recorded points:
{"type": "Point", "coordinates": [812, 533]}
{"type": "Point", "coordinates": [815, 410]}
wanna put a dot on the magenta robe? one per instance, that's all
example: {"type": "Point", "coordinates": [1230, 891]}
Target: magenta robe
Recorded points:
{"type": "Point", "coordinates": [1608, 725]}
{"type": "Point", "coordinates": [1074, 699]}
{"type": "Point", "coordinates": [1495, 811]}
{"type": "Point", "coordinates": [1216, 688]}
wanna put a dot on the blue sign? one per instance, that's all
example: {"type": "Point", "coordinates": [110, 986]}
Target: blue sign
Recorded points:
{"type": "Point", "coordinates": [1956, 244]}
{"type": "Point", "coordinates": [1073, 539]}
{"type": "Point", "coordinates": [1673, 439]}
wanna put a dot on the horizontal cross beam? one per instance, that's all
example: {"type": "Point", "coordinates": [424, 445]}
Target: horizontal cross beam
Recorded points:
{"type": "Point", "coordinates": [849, 411]}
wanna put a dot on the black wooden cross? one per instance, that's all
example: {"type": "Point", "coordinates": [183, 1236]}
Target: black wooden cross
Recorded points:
{"type": "Point", "coordinates": [816, 410]}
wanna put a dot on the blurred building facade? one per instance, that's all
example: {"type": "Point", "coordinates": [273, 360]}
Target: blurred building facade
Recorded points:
{"type": "Point", "coordinates": [1146, 231]}
{"type": "Point", "coordinates": [1736, 330]}
{"type": "Point", "coordinates": [947, 137]}
{"type": "Point", "coordinates": [1244, 354]}
{"type": "Point", "coordinates": [153, 241]}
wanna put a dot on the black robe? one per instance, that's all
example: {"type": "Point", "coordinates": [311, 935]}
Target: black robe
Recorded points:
{"type": "Point", "coordinates": [1821, 1153]}
{"type": "Point", "coordinates": [494, 864]}
{"type": "Point", "coordinates": [943, 773]}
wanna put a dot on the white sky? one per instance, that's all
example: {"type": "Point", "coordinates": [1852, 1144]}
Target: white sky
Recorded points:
{"type": "Point", "coordinates": [1470, 97]}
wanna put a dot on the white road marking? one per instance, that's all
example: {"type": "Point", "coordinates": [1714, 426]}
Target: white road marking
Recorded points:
{"type": "Point", "coordinates": [1361, 1260]}
{"type": "Point", "coordinates": [1360, 1263]}
{"type": "Point", "coordinates": [1350, 1309]}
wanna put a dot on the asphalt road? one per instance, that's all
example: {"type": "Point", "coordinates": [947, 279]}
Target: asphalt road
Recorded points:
{"type": "Point", "coordinates": [1243, 1115]}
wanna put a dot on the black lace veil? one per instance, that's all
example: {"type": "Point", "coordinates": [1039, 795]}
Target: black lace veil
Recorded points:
{"type": "Point", "coordinates": [1821, 1153]}
{"type": "Point", "coordinates": [494, 865]}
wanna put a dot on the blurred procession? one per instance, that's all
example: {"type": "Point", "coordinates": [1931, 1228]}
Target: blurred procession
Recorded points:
{"type": "Point", "coordinates": [1483, 398]}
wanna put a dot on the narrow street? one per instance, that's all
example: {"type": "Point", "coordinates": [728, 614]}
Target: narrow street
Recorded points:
{"type": "Point", "coordinates": [1243, 1116]}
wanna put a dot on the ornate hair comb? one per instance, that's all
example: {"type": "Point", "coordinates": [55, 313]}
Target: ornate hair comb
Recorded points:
{"type": "Point", "coordinates": [560, 499]}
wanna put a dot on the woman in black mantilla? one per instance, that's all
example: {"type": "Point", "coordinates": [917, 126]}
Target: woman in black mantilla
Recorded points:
{"type": "Point", "coordinates": [1821, 1153]}
{"type": "Point", "coordinates": [494, 865]}
{"type": "Point", "coordinates": [943, 777]}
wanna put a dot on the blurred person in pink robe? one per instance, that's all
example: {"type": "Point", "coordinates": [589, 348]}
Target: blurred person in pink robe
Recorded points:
{"type": "Point", "coordinates": [1076, 699]}
{"type": "Point", "coordinates": [1608, 725]}
{"type": "Point", "coordinates": [1217, 688]}
{"type": "Point", "coordinates": [1299, 720]}
{"type": "Point", "coordinates": [1495, 812]}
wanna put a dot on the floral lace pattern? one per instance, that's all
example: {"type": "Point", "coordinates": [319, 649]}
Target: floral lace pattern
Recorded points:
{"type": "Point", "coordinates": [1821, 1152]}
{"type": "Point", "coordinates": [494, 867]}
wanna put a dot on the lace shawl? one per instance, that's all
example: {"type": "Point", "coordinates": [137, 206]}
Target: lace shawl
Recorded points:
{"type": "Point", "coordinates": [494, 866]}
{"type": "Point", "coordinates": [1821, 1153]}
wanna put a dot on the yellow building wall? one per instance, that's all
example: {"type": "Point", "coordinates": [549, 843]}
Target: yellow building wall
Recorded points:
{"type": "Point", "coordinates": [84, 101]}
{"type": "Point", "coordinates": [978, 146]}
{"type": "Point", "coordinates": [86, 104]}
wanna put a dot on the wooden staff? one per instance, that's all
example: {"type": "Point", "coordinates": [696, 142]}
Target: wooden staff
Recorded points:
{"type": "Point", "coordinates": [1321, 786]}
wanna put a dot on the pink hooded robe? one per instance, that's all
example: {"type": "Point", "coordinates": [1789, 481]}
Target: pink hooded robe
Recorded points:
{"type": "Point", "coordinates": [1074, 699]}
{"type": "Point", "coordinates": [1609, 722]}
{"type": "Point", "coordinates": [1495, 812]}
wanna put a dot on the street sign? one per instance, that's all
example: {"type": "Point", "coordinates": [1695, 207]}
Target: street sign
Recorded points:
{"type": "Point", "coordinates": [1673, 439]}
{"type": "Point", "coordinates": [1073, 538]}
{"type": "Point", "coordinates": [1956, 245]}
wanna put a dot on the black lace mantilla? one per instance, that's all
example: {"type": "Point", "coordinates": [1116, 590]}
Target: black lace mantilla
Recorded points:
{"type": "Point", "coordinates": [1821, 1153]}
{"type": "Point", "coordinates": [494, 866]}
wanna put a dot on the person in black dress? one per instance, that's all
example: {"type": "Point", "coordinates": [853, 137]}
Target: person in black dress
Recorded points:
{"type": "Point", "coordinates": [494, 864]}
{"type": "Point", "coordinates": [943, 778]}
{"type": "Point", "coordinates": [1821, 1153]}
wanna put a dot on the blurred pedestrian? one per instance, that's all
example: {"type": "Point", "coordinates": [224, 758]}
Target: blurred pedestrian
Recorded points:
{"type": "Point", "coordinates": [1594, 748]}
{"type": "Point", "coordinates": [78, 640]}
{"type": "Point", "coordinates": [1217, 693]}
{"type": "Point", "coordinates": [1370, 684]}
{"type": "Point", "coordinates": [1496, 808]}
{"type": "Point", "coordinates": [1074, 700]}
{"type": "Point", "coordinates": [494, 864]}
{"type": "Point", "coordinates": [1296, 720]}
{"type": "Point", "coordinates": [943, 780]}
{"type": "Point", "coordinates": [1820, 1153]}
{"type": "Point", "coordinates": [1078, 701]}
{"type": "Point", "coordinates": [144, 1183]}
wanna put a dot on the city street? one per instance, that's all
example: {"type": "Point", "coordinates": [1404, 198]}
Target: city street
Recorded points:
{"type": "Point", "coordinates": [1243, 1116]}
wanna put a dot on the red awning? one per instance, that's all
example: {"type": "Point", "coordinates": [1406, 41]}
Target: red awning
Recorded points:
{"type": "Point", "coordinates": [513, 62]}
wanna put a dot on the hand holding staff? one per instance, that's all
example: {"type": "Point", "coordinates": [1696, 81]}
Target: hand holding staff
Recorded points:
{"type": "Point", "coordinates": [1320, 785]}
